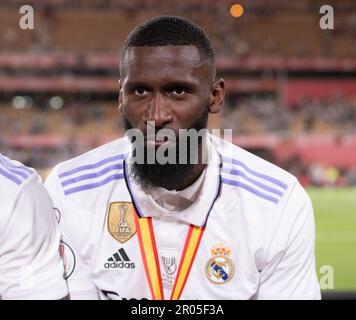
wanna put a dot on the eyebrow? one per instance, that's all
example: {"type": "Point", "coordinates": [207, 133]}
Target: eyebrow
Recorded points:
{"type": "Point", "coordinates": [168, 85]}
{"type": "Point", "coordinates": [135, 84]}
{"type": "Point", "coordinates": [175, 83]}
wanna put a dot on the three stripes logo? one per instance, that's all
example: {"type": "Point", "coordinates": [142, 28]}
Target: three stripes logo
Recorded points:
{"type": "Point", "coordinates": [119, 260]}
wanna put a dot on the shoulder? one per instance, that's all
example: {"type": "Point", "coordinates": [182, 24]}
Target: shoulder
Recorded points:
{"type": "Point", "coordinates": [90, 167]}
{"type": "Point", "coordinates": [253, 176]}
{"type": "Point", "coordinates": [13, 177]}
{"type": "Point", "coordinates": [107, 153]}
{"type": "Point", "coordinates": [17, 182]}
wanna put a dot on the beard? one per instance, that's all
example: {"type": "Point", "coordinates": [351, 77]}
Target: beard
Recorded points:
{"type": "Point", "coordinates": [169, 175]}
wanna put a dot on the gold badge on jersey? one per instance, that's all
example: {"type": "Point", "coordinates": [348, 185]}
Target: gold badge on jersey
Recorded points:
{"type": "Point", "coordinates": [121, 221]}
{"type": "Point", "coordinates": [220, 269]}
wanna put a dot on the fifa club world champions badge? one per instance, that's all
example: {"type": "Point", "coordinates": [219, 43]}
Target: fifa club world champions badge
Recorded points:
{"type": "Point", "coordinates": [121, 221]}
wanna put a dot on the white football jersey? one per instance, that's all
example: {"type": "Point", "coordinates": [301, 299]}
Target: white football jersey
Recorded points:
{"type": "Point", "coordinates": [254, 223]}
{"type": "Point", "coordinates": [30, 264]}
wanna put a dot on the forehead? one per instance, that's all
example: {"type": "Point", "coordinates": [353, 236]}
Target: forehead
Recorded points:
{"type": "Point", "coordinates": [149, 63]}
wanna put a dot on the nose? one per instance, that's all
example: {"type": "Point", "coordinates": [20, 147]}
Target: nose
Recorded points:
{"type": "Point", "coordinates": [159, 111]}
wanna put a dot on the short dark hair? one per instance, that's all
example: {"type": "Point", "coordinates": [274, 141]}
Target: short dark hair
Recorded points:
{"type": "Point", "coordinates": [170, 30]}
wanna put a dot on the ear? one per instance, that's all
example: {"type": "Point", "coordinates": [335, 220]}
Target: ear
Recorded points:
{"type": "Point", "coordinates": [119, 98]}
{"type": "Point", "coordinates": [217, 96]}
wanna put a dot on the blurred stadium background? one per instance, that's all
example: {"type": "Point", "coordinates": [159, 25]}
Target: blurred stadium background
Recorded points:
{"type": "Point", "coordinates": [291, 93]}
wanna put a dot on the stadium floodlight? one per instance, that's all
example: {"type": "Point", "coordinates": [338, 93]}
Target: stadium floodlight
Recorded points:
{"type": "Point", "coordinates": [22, 102]}
{"type": "Point", "coordinates": [19, 102]}
{"type": "Point", "coordinates": [56, 103]}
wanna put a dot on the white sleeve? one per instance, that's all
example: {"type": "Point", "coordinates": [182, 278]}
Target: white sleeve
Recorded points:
{"type": "Point", "coordinates": [77, 271]}
{"type": "Point", "coordinates": [30, 264]}
{"type": "Point", "coordinates": [288, 270]}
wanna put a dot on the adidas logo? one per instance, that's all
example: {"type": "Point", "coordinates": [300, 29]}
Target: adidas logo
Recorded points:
{"type": "Point", "coordinates": [119, 260]}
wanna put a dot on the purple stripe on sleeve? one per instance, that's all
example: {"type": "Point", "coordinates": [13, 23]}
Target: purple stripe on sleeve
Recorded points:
{"type": "Point", "coordinates": [94, 185]}
{"type": "Point", "coordinates": [92, 175]}
{"type": "Point", "coordinates": [255, 182]}
{"type": "Point", "coordinates": [255, 173]}
{"type": "Point", "coordinates": [250, 189]}
{"type": "Point", "coordinates": [91, 166]}
{"type": "Point", "coordinates": [7, 166]}
{"type": "Point", "coordinates": [10, 177]}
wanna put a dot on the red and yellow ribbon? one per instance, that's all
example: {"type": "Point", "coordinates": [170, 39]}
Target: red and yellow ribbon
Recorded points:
{"type": "Point", "coordinates": [151, 262]}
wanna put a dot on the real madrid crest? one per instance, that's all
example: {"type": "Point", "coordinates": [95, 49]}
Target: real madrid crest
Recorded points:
{"type": "Point", "coordinates": [220, 269]}
{"type": "Point", "coordinates": [121, 221]}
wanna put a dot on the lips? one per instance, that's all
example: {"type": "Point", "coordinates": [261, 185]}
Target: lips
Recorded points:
{"type": "Point", "coordinates": [160, 139]}
{"type": "Point", "coordinates": [156, 143]}
{"type": "Point", "coordinates": [159, 142]}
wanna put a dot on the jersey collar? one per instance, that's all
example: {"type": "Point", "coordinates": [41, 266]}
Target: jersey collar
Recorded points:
{"type": "Point", "coordinates": [197, 213]}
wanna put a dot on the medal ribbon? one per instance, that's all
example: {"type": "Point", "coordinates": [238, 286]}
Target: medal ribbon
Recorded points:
{"type": "Point", "coordinates": [150, 259]}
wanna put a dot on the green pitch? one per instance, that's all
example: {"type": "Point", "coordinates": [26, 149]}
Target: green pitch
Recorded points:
{"type": "Point", "coordinates": [335, 216]}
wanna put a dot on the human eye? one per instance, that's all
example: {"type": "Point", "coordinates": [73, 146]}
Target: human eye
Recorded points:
{"type": "Point", "coordinates": [140, 91]}
{"type": "Point", "coordinates": [179, 91]}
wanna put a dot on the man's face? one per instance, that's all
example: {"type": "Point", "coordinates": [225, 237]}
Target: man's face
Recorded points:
{"type": "Point", "coordinates": [170, 86]}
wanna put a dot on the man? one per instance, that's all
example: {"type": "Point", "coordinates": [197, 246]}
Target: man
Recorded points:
{"type": "Point", "coordinates": [30, 264]}
{"type": "Point", "coordinates": [233, 227]}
